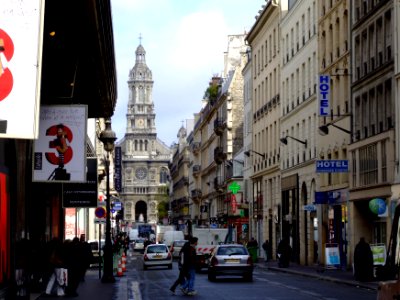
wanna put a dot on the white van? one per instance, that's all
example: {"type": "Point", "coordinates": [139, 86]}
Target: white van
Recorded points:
{"type": "Point", "coordinates": [133, 234]}
{"type": "Point", "coordinates": [171, 236]}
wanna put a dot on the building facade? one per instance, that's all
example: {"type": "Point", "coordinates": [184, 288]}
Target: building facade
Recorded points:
{"type": "Point", "coordinates": [264, 150]}
{"type": "Point", "coordinates": [144, 158]}
{"type": "Point", "coordinates": [373, 103]}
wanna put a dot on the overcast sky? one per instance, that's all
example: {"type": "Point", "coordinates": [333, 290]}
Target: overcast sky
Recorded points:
{"type": "Point", "coordinates": [184, 41]}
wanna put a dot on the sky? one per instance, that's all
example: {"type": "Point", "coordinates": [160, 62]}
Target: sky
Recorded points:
{"type": "Point", "coordinates": [185, 41]}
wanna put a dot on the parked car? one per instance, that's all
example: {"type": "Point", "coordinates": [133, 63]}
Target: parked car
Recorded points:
{"type": "Point", "coordinates": [157, 255]}
{"type": "Point", "coordinates": [138, 244]}
{"type": "Point", "coordinates": [176, 247]}
{"type": "Point", "coordinates": [94, 245]}
{"type": "Point", "coordinates": [230, 259]}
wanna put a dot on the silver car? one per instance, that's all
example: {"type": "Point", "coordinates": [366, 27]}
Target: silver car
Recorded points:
{"type": "Point", "coordinates": [230, 259]}
{"type": "Point", "coordinates": [157, 255]}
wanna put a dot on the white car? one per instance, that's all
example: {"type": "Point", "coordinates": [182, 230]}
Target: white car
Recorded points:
{"type": "Point", "coordinates": [157, 255]}
{"type": "Point", "coordinates": [138, 244]}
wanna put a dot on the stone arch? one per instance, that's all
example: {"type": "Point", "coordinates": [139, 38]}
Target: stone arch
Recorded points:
{"type": "Point", "coordinates": [141, 210]}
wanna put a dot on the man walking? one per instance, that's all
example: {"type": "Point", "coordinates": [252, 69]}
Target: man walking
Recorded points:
{"type": "Point", "coordinates": [189, 262]}
{"type": "Point", "coordinates": [183, 271]}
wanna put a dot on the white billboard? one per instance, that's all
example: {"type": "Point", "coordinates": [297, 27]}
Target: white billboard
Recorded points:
{"type": "Point", "coordinates": [21, 38]}
{"type": "Point", "coordinates": [60, 150]}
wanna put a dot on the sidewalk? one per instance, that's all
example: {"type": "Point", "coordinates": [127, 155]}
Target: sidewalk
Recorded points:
{"type": "Point", "coordinates": [91, 288]}
{"type": "Point", "coordinates": [334, 275]}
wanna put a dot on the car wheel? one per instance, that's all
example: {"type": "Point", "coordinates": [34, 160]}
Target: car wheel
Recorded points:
{"type": "Point", "coordinates": [248, 277]}
{"type": "Point", "coordinates": [144, 267]}
{"type": "Point", "coordinates": [170, 266]}
{"type": "Point", "coordinates": [211, 276]}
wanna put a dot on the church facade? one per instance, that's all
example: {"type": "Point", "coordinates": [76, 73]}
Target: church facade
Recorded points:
{"type": "Point", "coordinates": [144, 157]}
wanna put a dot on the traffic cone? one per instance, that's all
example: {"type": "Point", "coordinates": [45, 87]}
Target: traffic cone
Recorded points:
{"type": "Point", "coordinates": [119, 271]}
{"type": "Point", "coordinates": [123, 262]}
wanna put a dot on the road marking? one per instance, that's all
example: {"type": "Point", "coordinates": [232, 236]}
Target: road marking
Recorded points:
{"type": "Point", "coordinates": [134, 292]}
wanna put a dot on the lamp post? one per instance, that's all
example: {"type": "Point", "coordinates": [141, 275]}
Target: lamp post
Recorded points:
{"type": "Point", "coordinates": [107, 137]}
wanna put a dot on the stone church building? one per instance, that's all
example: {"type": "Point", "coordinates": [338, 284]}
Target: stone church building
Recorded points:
{"type": "Point", "coordinates": [145, 158]}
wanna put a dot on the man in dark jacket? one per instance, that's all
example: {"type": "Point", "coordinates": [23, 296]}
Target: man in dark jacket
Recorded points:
{"type": "Point", "coordinates": [189, 262]}
{"type": "Point", "coordinates": [363, 261]}
{"type": "Point", "coordinates": [183, 270]}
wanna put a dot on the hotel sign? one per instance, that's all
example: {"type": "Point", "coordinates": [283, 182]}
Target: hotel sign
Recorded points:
{"type": "Point", "coordinates": [324, 90]}
{"type": "Point", "coordinates": [332, 166]}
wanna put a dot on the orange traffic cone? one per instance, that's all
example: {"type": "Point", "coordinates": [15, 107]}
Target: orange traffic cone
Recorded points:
{"type": "Point", "coordinates": [123, 264]}
{"type": "Point", "coordinates": [119, 271]}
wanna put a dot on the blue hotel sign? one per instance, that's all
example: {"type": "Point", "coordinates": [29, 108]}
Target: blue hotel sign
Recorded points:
{"type": "Point", "coordinates": [332, 166]}
{"type": "Point", "coordinates": [324, 90]}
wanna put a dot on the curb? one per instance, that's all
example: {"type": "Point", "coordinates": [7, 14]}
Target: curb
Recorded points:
{"type": "Point", "coordinates": [326, 278]}
{"type": "Point", "coordinates": [372, 286]}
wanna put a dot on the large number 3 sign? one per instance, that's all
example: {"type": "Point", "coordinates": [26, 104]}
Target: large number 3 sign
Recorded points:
{"type": "Point", "coordinates": [6, 53]}
{"type": "Point", "coordinates": [52, 157]}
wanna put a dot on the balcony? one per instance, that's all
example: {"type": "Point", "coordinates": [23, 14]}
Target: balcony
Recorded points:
{"type": "Point", "coordinates": [219, 155]}
{"type": "Point", "coordinates": [196, 170]}
{"type": "Point", "coordinates": [219, 184]}
{"type": "Point", "coordinates": [219, 126]}
{"type": "Point", "coordinates": [196, 147]}
{"type": "Point", "coordinates": [196, 194]}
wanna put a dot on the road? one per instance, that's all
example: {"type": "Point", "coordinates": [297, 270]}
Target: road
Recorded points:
{"type": "Point", "coordinates": [154, 283]}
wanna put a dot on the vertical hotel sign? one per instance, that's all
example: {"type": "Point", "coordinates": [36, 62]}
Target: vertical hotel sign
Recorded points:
{"type": "Point", "coordinates": [60, 150]}
{"type": "Point", "coordinates": [324, 91]}
{"type": "Point", "coordinates": [117, 166]}
{"type": "Point", "coordinates": [21, 38]}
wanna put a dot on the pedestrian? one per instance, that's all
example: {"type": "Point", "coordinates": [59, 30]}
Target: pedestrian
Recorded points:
{"type": "Point", "coordinates": [284, 253]}
{"type": "Point", "coordinates": [266, 247]}
{"type": "Point", "coordinates": [87, 256]}
{"type": "Point", "coordinates": [363, 261]}
{"type": "Point", "coordinates": [183, 271]}
{"type": "Point", "coordinates": [75, 259]}
{"type": "Point", "coordinates": [189, 262]}
{"type": "Point", "coordinates": [58, 278]}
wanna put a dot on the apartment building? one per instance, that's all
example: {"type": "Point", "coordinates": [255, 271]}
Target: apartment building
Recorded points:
{"type": "Point", "coordinates": [333, 135]}
{"type": "Point", "coordinates": [372, 151]}
{"type": "Point", "coordinates": [217, 137]}
{"type": "Point", "coordinates": [263, 148]}
{"type": "Point", "coordinates": [179, 172]}
{"type": "Point", "coordinates": [298, 124]}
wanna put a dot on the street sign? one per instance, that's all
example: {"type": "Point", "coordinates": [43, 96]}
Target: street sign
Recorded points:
{"type": "Point", "coordinates": [310, 207]}
{"type": "Point", "coordinates": [100, 212]}
{"type": "Point", "coordinates": [100, 221]}
{"type": "Point", "coordinates": [117, 206]}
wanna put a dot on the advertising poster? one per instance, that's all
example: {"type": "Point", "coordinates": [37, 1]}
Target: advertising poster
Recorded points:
{"type": "Point", "coordinates": [60, 150]}
{"type": "Point", "coordinates": [332, 256]}
{"type": "Point", "coordinates": [21, 38]}
{"type": "Point", "coordinates": [379, 254]}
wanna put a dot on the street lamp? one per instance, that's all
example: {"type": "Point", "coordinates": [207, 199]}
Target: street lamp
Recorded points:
{"type": "Point", "coordinates": [324, 130]}
{"type": "Point", "coordinates": [107, 137]}
{"type": "Point", "coordinates": [247, 153]}
{"type": "Point", "coordinates": [284, 140]}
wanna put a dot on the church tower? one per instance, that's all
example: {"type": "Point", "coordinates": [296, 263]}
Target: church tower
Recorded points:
{"type": "Point", "coordinates": [144, 159]}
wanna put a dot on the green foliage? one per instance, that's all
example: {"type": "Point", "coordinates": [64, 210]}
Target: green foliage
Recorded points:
{"type": "Point", "coordinates": [212, 92]}
{"type": "Point", "coordinates": [163, 207]}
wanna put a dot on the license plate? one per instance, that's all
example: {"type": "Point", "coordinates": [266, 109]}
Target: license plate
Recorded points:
{"type": "Point", "coordinates": [233, 261]}
{"type": "Point", "coordinates": [157, 256]}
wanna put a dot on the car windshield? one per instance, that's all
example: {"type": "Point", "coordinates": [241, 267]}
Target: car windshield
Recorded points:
{"type": "Point", "coordinates": [232, 251]}
{"type": "Point", "coordinates": [139, 241]}
{"type": "Point", "coordinates": [157, 249]}
{"type": "Point", "coordinates": [179, 243]}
